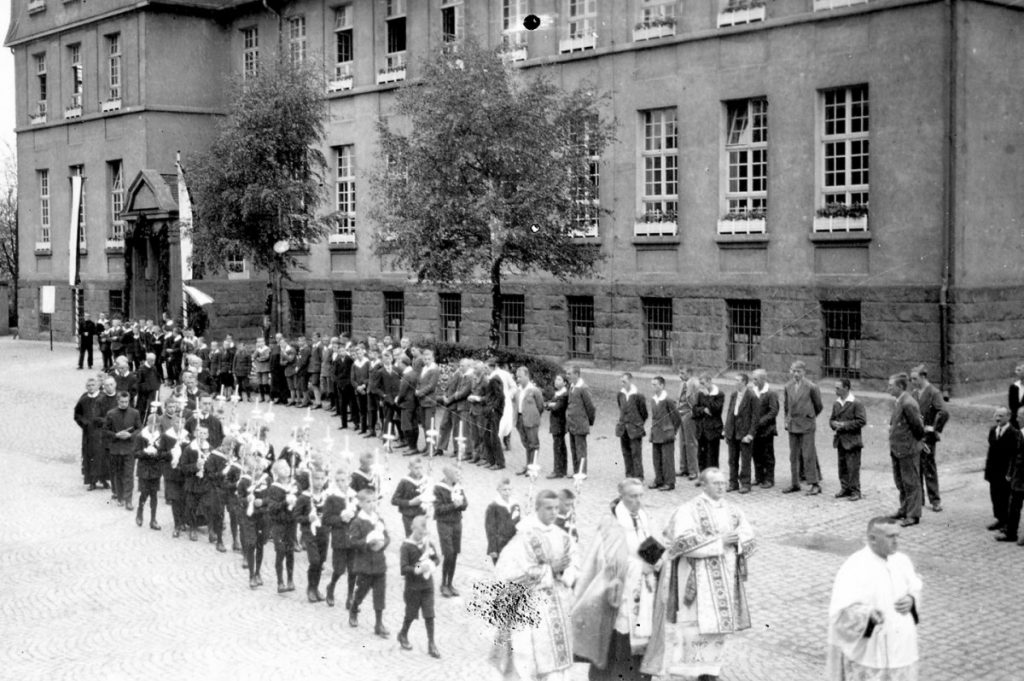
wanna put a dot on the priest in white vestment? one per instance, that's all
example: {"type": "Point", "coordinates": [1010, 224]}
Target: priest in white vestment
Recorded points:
{"type": "Point", "coordinates": [540, 559]}
{"type": "Point", "coordinates": [701, 597]}
{"type": "Point", "coordinates": [872, 619]}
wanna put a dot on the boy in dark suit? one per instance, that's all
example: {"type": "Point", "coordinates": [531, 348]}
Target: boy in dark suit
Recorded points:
{"type": "Point", "coordinates": [847, 420]}
{"type": "Point", "coordinates": [368, 537]}
{"type": "Point", "coordinates": [1015, 478]}
{"type": "Point", "coordinates": [739, 434]}
{"type": "Point", "coordinates": [418, 560]}
{"type": "Point", "coordinates": [557, 406]}
{"type": "Point", "coordinates": [280, 500]}
{"type": "Point", "coordinates": [338, 512]}
{"type": "Point", "coordinates": [500, 520]}
{"type": "Point", "coordinates": [665, 421]}
{"type": "Point", "coordinates": [149, 468]}
{"type": "Point", "coordinates": [1003, 446]}
{"type": "Point", "coordinates": [630, 428]}
{"type": "Point", "coordinates": [449, 503]}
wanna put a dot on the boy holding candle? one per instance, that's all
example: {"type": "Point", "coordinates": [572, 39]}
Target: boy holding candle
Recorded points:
{"type": "Point", "coordinates": [280, 500]}
{"type": "Point", "coordinates": [368, 537]}
{"type": "Point", "coordinates": [449, 504]}
{"type": "Point", "coordinates": [308, 511]}
{"type": "Point", "coordinates": [418, 560]}
{"type": "Point", "coordinates": [339, 509]}
{"type": "Point", "coordinates": [409, 494]}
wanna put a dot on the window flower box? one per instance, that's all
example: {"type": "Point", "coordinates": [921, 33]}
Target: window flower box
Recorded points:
{"type": "Point", "coordinates": [517, 53]}
{"type": "Point", "coordinates": [339, 84]}
{"type": "Point", "coordinates": [824, 5]}
{"type": "Point", "coordinates": [115, 246]}
{"type": "Point", "coordinates": [741, 15]}
{"type": "Point", "coordinates": [742, 223]}
{"type": "Point", "coordinates": [391, 75]}
{"type": "Point", "coordinates": [342, 238]}
{"type": "Point", "coordinates": [37, 119]}
{"type": "Point", "coordinates": [840, 224]}
{"type": "Point", "coordinates": [577, 43]}
{"type": "Point", "coordinates": [649, 31]}
{"type": "Point", "coordinates": [36, 6]}
{"type": "Point", "coordinates": [111, 105]}
{"type": "Point", "coordinates": [44, 247]}
{"type": "Point", "coordinates": [656, 224]}
{"type": "Point", "coordinates": [73, 112]}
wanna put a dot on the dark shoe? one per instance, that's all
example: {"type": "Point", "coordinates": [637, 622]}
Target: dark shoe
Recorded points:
{"type": "Point", "coordinates": [138, 520]}
{"type": "Point", "coordinates": [1006, 537]}
{"type": "Point", "coordinates": [767, 485]}
{"type": "Point", "coordinates": [791, 489]}
{"type": "Point", "coordinates": [656, 485]}
{"type": "Point", "coordinates": [733, 488]}
{"type": "Point", "coordinates": [681, 474]}
{"type": "Point", "coordinates": [445, 591]}
{"type": "Point", "coordinates": [259, 579]}
{"type": "Point", "coordinates": [221, 548]}
{"type": "Point", "coordinates": [907, 522]}
{"type": "Point", "coordinates": [176, 533]}
{"type": "Point", "coordinates": [666, 488]}
{"type": "Point", "coordinates": [281, 588]}
{"type": "Point", "coordinates": [553, 476]}
{"type": "Point", "coordinates": [192, 536]}
{"type": "Point", "coordinates": [348, 603]}
{"type": "Point", "coordinates": [128, 506]}
{"type": "Point", "coordinates": [433, 652]}
{"type": "Point", "coordinates": [452, 591]}
{"type": "Point", "coordinates": [119, 502]}
{"type": "Point", "coordinates": [843, 493]}
{"type": "Point", "coordinates": [403, 641]}
{"type": "Point", "coordinates": [330, 595]}
{"type": "Point", "coordinates": [815, 489]}
{"type": "Point", "coordinates": [522, 472]}
{"type": "Point", "coordinates": [997, 525]}
{"type": "Point", "coordinates": [855, 496]}
{"type": "Point", "coordinates": [381, 631]}
{"type": "Point", "coordinates": [105, 484]}
{"type": "Point", "coordinates": [245, 564]}
{"type": "Point", "coordinates": [937, 507]}
{"type": "Point", "coordinates": [1020, 542]}
{"type": "Point", "coordinates": [744, 490]}
{"type": "Point", "coordinates": [253, 583]}
{"type": "Point", "coordinates": [92, 486]}
{"type": "Point", "coordinates": [291, 585]}
{"type": "Point", "coordinates": [153, 525]}
{"type": "Point", "coordinates": [353, 619]}
{"type": "Point", "coordinates": [235, 546]}
{"type": "Point", "coordinates": [313, 596]}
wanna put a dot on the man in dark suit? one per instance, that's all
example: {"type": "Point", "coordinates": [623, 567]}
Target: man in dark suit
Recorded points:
{"type": "Point", "coordinates": [579, 417]}
{"type": "Point", "coordinates": [935, 416]}
{"type": "Point", "coordinates": [802, 406]}
{"type": "Point", "coordinates": [1015, 396]}
{"type": "Point", "coordinates": [426, 392]}
{"type": "Point", "coordinates": [906, 432]}
{"type": "Point", "coordinates": [847, 421]}
{"type": "Point", "coordinates": [205, 418]}
{"type": "Point", "coordinates": [665, 420]}
{"type": "Point", "coordinates": [1015, 479]}
{"type": "Point", "coordinates": [707, 414]}
{"type": "Point", "coordinates": [556, 426]}
{"type": "Point", "coordinates": [766, 412]}
{"type": "Point", "coordinates": [303, 354]}
{"type": "Point", "coordinates": [740, 428]}
{"type": "Point", "coordinates": [148, 384]}
{"type": "Point", "coordinates": [630, 428]}
{"type": "Point", "coordinates": [343, 390]}
{"type": "Point", "coordinates": [121, 427]}
{"type": "Point", "coordinates": [86, 332]}
{"type": "Point", "coordinates": [1004, 442]}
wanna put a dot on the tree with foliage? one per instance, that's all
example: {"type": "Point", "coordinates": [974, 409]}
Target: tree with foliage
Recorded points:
{"type": "Point", "coordinates": [9, 226]}
{"type": "Point", "coordinates": [492, 176]}
{"type": "Point", "coordinates": [262, 180]}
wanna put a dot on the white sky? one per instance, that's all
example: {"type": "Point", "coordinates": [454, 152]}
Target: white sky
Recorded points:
{"type": "Point", "coordinates": [6, 83]}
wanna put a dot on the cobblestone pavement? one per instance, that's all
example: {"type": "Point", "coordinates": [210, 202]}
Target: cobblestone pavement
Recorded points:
{"type": "Point", "coordinates": [88, 595]}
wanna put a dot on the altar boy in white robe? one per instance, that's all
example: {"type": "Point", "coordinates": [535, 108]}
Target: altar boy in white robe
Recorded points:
{"type": "Point", "coordinates": [872, 619]}
{"type": "Point", "coordinates": [541, 560]}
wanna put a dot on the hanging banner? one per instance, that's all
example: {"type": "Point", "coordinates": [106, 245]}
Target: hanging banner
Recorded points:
{"type": "Point", "coordinates": [185, 221]}
{"type": "Point", "coordinates": [76, 205]}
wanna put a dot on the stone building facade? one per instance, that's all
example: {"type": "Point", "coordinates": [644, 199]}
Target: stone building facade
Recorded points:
{"type": "Point", "coordinates": [741, 125]}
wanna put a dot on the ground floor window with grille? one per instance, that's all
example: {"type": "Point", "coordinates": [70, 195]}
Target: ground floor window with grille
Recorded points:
{"type": "Point", "coordinates": [513, 320]}
{"type": "Point", "coordinates": [581, 327]}
{"type": "Point", "coordinates": [744, 333]}
{"type": "Point", "coordinates": [657, 330]}
{"type": "Point", "coordinates": [842, 348]}
{"type": "Point", "coordinates": [394, 314]}
{"type": "Point", "coordinates": [342, 313]}
{"type": "Point", "coordinates": [115, 298]}
{"type": "Point", "coordinates": [296, 312]}
{"type": "Point", "coordinates": [44, 317]}
{"type": "Point", "coordinates": [451, 317]}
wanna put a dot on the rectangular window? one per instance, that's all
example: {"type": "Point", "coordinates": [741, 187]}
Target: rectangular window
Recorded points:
{"type": "Point", "coordinates": [75, 57]}
{"type": "Point", "coordinates": [343, 52]}
{"type": "Point", "coordinates": [451, 316]}
{"type": "Point", "coordinates": [115, 174]}
{"type": "Point", "coordinates": [657, 12]}
{"type": "Point", "coordinates": [115, 301]}
{"type": "Point", "coordinates": [451, 20]}
{"type": "Point", "coordinates": [79, 171]}
{"type": "Point", "coordinates": [845, 147]}
{"type": "Point", "coordinates": [394, 314]}
{"type": "Point", "coordinates": [44, 317]}
{"type": "Point", "coordinates": [660, 162]}
{"type": "Point", "coordinates": [250, 51]}
{"type": "Point", "coordinates": [40, 110]}
{"type": "Point", "coordinates": [746, 149]}
{"type": "Point", "coordinates": [345, 193]}
{"type": "Point", "coordinates": [744, 333]}
{"type": "Point", "coordinates": [588, 191]}
{"type": "Point", "coordinates": [657, 330]}
{"type": "Point", "coordinates": [513, 12]}
{"type": "Point", "coordinates": [513, 321]}
{"type": "Point", "coordinates": [296, 312]}
{"type": "Point", "coordinates": [44, 205]}
{"type": "Point", "coordinates": [342, 312]}
{"type": "Point", "coordinates": [114, 64]}
{"type": "Point", "coordinates": [581, 327]}
{"type": "Point", "coordinates": [580, 18]}
{"type": "Point", "coordinates": [236, 264]}
{"type": "Point", "coordinates": [841, 354]}
{"type": "Point", "coordinates": [297, 40]}
{"type": "Point", "coordinates": [396, 42]}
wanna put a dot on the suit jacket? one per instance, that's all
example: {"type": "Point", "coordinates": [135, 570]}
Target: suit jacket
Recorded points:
{"type": "Point", "coordinates": [216, 362]}
{"type": "Point", "coordinates": [557, 406]}
{"type": "Point", "coordinates": [802, 406]}
{"type": "Point", "coordinates": [632, 415]}
{"type": "Point", "coordinates": [851, 417]}
{"type": "Point", "coordinates": [302, 357]}
{"type": "Point", "coordinates": [366, 561]}
{"type": "Point", "coordinates": [86, 331]}
{"type": "Point", "coordinates": [709, 426]}
{"type": "Point", "coordinates": [766, 412]}
{"type": "Point", "coordinates": [1003, 452]}
{"type": "Point", "coordinates": [316, 358]}
{"type": "Point", "coordinates": [933, 411]}
{"type": "Point", "coordinates": [665, 420]}
{"type": "Point", "coordinates": [287, 360]}
{"type": "Point", "coordinates": [148, 380]}
{"type": "Point", "coordinates": [457, 393]}
{"type": "Point", "coordinates": [391, 382]}
{"type": "Point", "coordinates": [128, 383]}
{"type": "Point", "coordinates": [1014, 402]}
{"type": "Point", "coordinates": [406, 399]}
{"type": "Point", "coordinates": [738, 426]}
{"type": "Point", "coordinates": [343, 371]}
{"type": "Point", "coordinates": [579, 411]}
{"type": "Point", "coordinates": [906, 429]}
{"type": "Point", "coordinates": [360, 376]}
{"type": "Point", "coordinates": [532, 405]}
{"type": "Point", "coordinates": [426, 386]}
{"type": "Point", "coordinates": [1016, 473]}
{"type": "Point", "coordinates": [214, 429]}
{"type": "Point", "coordinates": [117, 420]}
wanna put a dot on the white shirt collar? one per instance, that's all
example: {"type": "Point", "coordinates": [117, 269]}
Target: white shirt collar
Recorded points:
{"type": "Point", "coordinates": [849, 398]}
{"type": "Point", "coordinates": [631, 390]}
{"type": "Point", "coordinates": [660, 397]}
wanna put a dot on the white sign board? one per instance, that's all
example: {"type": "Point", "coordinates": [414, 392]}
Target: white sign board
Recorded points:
{"type": "Point", "coordinates": [47, 299]}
